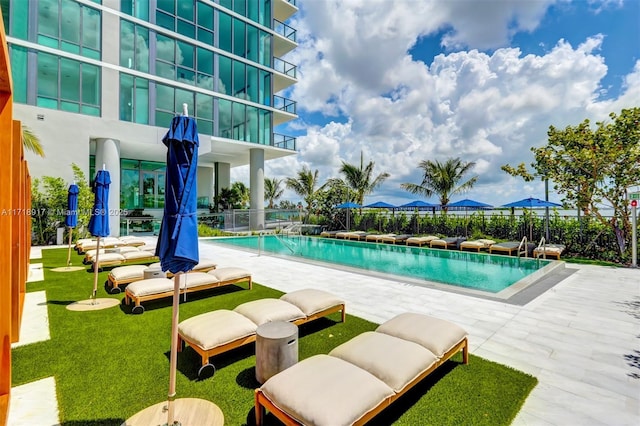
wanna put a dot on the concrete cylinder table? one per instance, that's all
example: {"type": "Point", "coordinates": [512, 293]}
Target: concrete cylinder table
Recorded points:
{"type": "Point", "coordinates": [276, 348]}
{"type": "Point", "coordinates": [154, 272]}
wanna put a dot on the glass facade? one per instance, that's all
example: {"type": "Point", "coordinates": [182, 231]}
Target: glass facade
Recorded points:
{"type": "Point", "coordinates": [215, 56]}
{"type": "Point", "coordinates": [142, 184]}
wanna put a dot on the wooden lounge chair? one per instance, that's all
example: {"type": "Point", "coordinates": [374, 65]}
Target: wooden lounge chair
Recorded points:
{"type": "Point", "coordinates": [377, 238]}
{"type": "Point", "coordinates": [395, 239]}
{"type": "Point", "coordinates": [511, 247]}
{"type": "Point", "coordinates": [447, 243]}
{"type": "Point", "coordinates": [114, 259]}
{"type": "Point", "coordinates": [122, 275]}
{"type": "Point", "coordinates": [215, 332]}
{"type": "Point", "coordinates": [420, 241]}
{"type": "Point", "coordinates": [549, 250]}
{"type": "Point", "coordinates": [159, 288]}
{"type": "Point", "coordinates": [331, 234]}
{"type": "Point", "coordinates": [477, 245]}
{"type": "Point", "coordinates": [360, 378]}
{"type": "Point", "coordinates": [89, 255]}
{"type": "Point", "coordinates": [84, 245]}
{"type": "Point", "coordinates": [350, 235]}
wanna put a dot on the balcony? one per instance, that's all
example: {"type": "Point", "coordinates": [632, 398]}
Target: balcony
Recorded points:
{"type": "Point", "coordinates": [286, 110]}
{"type": "Point", "coordinates": [285, 75]}
{"type": "Point", "coordinates": [284, 141]}
{"type": "Point", "coordinates": [285, 40]}
{"type": "Point", "coordinates": [284, 9]}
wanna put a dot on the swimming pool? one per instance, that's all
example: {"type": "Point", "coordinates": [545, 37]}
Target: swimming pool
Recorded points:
{"type": "Point", "coordinates": [482, 272]}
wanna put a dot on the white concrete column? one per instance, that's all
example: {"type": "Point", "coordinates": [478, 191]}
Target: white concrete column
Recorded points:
{"type": "Point", "coordinates": [108, 154]}
{"type": "Point", "coordinates": [256, 186]}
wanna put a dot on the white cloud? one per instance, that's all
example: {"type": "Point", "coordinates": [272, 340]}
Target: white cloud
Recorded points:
{"type": "Point", "coordinates": [354, 62]}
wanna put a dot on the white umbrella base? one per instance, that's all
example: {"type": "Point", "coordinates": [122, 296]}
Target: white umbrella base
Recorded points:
{"type": "Point", "coordinates": [187, 412]}
{"type": "Point", "coordinates": [93, 304]}
{"type": "Point", "coordinates": [67, 269]}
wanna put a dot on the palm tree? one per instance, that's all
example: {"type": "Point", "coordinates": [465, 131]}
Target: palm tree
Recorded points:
{"type": "Point", "coordinates": [31, 142]}
{"type": "Point", "coordinates": [304, 185]}
{"type": "Point", "coordinates": [241, 193]}
{"type": "Point", "coordinates": [272, 190]}
{"type": "Point", "coordinates": [442, 179]}
{"type": "Point", "coordinates": [359, 179]}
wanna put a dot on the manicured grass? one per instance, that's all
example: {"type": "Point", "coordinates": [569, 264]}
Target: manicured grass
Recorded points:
{"type": "Point", "coordinates": [110, 364]}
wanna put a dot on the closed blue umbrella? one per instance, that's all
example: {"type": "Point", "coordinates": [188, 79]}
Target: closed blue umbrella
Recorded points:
{"type": "Point", "coordinates": [71, 218]}
{"type": "Point", "coordinates": [99, 221]}
{"type": "Point", "coordinates": [178, 237]}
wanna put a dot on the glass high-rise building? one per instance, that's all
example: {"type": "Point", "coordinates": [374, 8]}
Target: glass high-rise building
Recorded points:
{"type": "Point", "coordinates": [98, 82]}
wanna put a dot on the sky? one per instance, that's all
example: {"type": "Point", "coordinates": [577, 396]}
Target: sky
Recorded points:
{"type": "Point", "coordinates": [402, 81]}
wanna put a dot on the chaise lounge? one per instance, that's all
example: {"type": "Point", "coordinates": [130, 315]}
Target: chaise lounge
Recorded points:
{"type": "Point", "coordinates": [122, 275]}
{"type": "Point", "coordinates": [395, 239]}
{"type": "Point", "coordinates": [363, 376]}
{"type": "Point", "coordinates": [218, 331]}
{"type": "Point", "coordinates": [160, 288]}
{"type": "Point", "coordinates": [122, 258]}
{"type": "Point", "coordinates": [549, 250]}
{"type": "Point", "coordinates": [420, 241]}
{"type": "Point", "coordinates": [511, 247]}
{"type": "Point", "coordinates": [447, 243]}
{"type": "Point", "coordinates": [477, 245]}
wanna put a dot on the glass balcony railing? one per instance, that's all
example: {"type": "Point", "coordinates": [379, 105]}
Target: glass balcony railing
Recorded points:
{"type": "Point", "coordinates": [284, 67]}
{"type": "Point", "coordinates": [284, 30]}
{"type": "Point", "coordinates": [284, 104]}
{"type": "Point", "coordinates": [284, 141]}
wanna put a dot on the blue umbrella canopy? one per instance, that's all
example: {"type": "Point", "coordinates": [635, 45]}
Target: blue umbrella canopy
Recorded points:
{"type": "Point", "coordinates": [348, 205]}
{"type": "Point", "coordinates": [178, 237]}
{"type": "Point", "coordinates": [469, 204]}
{"type": "Point", "coordinates": [99, 222]}
{"type": "Point", "coordinates": [71, 218]}
{"type": "Point", "coordinates": [532, 203]}
{"type": "Point", "coordinates": [380, 205]}
{"type": "Point", "coordinates": [417, 204]}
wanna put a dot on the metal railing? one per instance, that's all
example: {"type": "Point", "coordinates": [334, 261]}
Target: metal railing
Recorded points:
{"type": "Point", "coordinates": [284, 104]}
{"type": "Point", "coordinates": [284, 141]}
{"type": "Point", "coordinates": [284, 30]}
{"type": "Point", "coordinates": [284, 67]}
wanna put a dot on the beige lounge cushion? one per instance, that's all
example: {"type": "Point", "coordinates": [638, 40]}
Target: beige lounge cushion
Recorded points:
{"type": "Point", "coordinates": [311, 301]}
{"type": "Point", "coordinates": [150, 286]}
{"type": "Point", "coordinates": [394, 361]}
{"type": "Point", "coordinates": [196, 279]}
{"type": "Point", "coordinates": [325, 391]}
{"type": "Point", "coordinates": [486, 242]}
{"type": "Point", "coordinates": [109, 258]}
{"type": "Point", "coordinates": [472, 244]}
{"type": "Point", "coordinates": [230, 273]}
{"type": "Point", "coordinates": [262, 311]}
{"type": "Point", "coordinates": [127, 272]}
{"type": "Point", "coordinates": [92, 253]}
{"type": "Point", "coordinates": [135, 255]}
{"type": "Point", "coordinates": [216, 328]}
{"type": "Point", "coordinates": [205, 264]}
{"type": "Point", "coordinates": [435, 334]}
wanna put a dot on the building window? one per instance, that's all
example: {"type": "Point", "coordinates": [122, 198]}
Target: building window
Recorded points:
{"type": "Point", "coordinates": [69, 26]}
{"type": "Point", "coordinates": [18, 71]}
{"type": "Point", "coordinates": [142, 184]}
{"type": "Point", "coordinates": [244, 122]}
{"type": "Point", "coordinates": [134, 46]}
{"type": "Point", "coordinates": [244, 40]}
{"type": "Point", "coordinates": [134, 99]}
{"type": "Point", "coordinates": [136, 8]}
{"type": "Point", "coordinates": [257, 10]}
{"type": "Point", "coordinates": [67, 85]}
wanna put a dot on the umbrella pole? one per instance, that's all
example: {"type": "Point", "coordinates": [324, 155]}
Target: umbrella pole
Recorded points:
{"type": "Point", "coordinates": [69, 253]}
{"type": "Point", "coordinates": [173, 362]}
{"type": "Point", "coordinates": [96, 266]}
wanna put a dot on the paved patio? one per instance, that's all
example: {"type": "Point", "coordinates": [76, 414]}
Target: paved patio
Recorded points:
{"type": "Point", "coordinates": [581, 338]}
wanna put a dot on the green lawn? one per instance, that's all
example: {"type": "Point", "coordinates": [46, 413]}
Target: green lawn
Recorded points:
{"type": "Point", "coordinates": [110, 364]}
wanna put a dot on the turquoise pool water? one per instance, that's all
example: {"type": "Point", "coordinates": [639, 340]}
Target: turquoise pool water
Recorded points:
{"type": "Point", "coordinates": [489, 273]}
